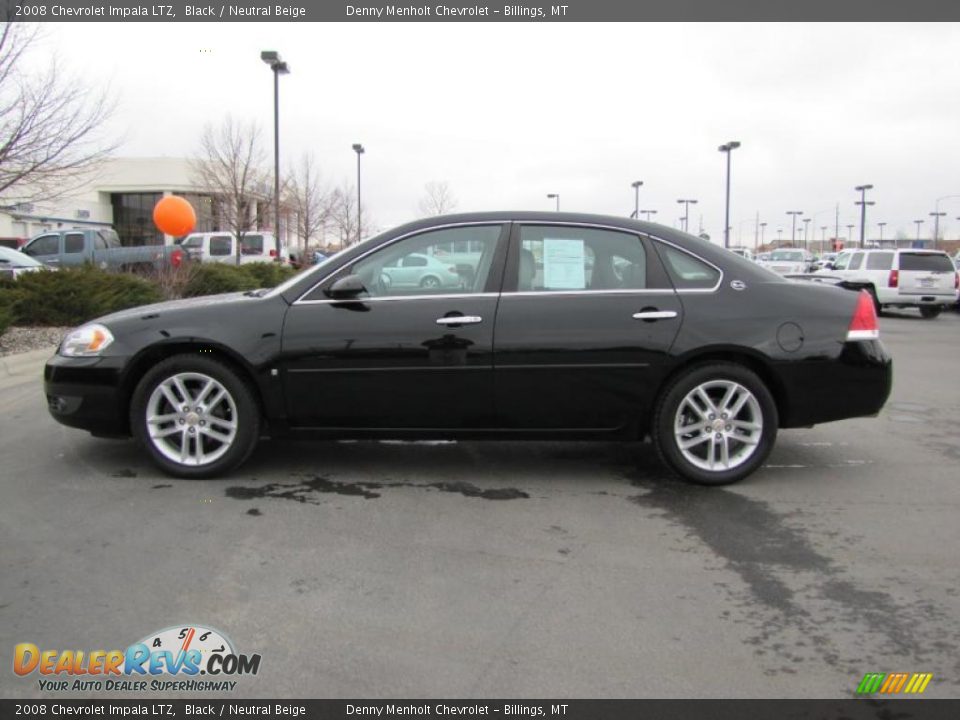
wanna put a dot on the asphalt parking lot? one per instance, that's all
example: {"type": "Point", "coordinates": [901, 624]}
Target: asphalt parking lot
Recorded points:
{"type": "Point", "coordinates": [507, 569]}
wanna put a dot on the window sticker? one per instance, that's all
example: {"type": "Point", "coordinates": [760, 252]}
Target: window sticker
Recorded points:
{"type": "Point", "coordinates": [564, 266]}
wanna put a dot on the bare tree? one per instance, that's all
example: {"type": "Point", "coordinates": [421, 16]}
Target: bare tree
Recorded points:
{"type": "Point", "coordinates": [310, 200]}
{"type": "Point", "coordinates": [230, 167]}
{"type": "Point", "coordinates": [438, 199]}
{"type": "Point", "coordinates": [51, 125]}
{"type": "Point", "coordinates": [343, 215]}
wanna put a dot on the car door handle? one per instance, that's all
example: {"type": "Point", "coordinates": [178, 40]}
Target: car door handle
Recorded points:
{"type": "Point", "coordinates": [460, 320]}
{"type": "Point", "coordinates": [655, 315]}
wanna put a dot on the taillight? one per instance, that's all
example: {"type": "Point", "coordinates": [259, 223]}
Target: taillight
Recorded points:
{"type": "Point", "coordinates": [176, 257]}
{"type": "Point", "coordinates": [863, 325]}
{"type": "Point", "coordinates": [894, 279]}
{"type": "Point", "coordinates": [273, 252]}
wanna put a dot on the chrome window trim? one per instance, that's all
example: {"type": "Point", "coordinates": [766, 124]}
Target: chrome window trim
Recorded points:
{"type": "Point", "coordinates": [628, 231]}
{"type": "Point", "coordinates": [615, 228]}
{"type": "Point", "coordinates": [394, 298]}
{"type": "Point", "coordinates": [301, 301]}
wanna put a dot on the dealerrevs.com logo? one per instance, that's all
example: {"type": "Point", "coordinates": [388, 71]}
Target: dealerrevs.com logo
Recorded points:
{"type": "Point", "coordinates": [183, 658]}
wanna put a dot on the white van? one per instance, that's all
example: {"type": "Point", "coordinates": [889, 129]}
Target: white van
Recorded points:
{"type": "Point", "coordinates": [256, 246]}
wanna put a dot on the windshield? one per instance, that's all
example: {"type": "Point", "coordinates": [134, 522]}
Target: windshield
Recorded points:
{"type": "Point", "coordinates": [787, 256]}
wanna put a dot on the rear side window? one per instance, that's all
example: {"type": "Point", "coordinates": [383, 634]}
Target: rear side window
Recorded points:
{"type": "Point", "coordinates": [73, 243]}
{"type": "Point", "coordinates": [686, 271]}
{"type": "Point", "coordinates": [556, 258]}
{"type": "Point", "coordinates": [856, 261]}
{"type": "Point", "coordinates": [252, 245]}
{"type": "Point", "coordinates": [880, 261]}
{"type": "Point", "coordinates": [220, 245]}
{"type": "Point", "coordinates": [927, 262]}
{"type": "Point", "coordinates": [194, 241]}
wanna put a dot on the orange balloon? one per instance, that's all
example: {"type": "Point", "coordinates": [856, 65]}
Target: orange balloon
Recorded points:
{"type": "Point", "coordinates": [174, 216]}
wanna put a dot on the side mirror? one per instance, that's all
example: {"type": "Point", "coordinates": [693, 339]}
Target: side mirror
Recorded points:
{"type": "Point", "coordinates": [346, 288]}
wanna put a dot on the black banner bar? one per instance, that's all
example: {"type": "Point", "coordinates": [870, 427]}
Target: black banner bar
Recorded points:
{"type": "Point", "coordinates": [477, 11]}
{"type": "Point", "coordinates": [867, 709]}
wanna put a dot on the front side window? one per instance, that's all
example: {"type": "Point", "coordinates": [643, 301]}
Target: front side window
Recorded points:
{"type": "Point", "coordinates": [436, 262]}
{"type": "Point", "coordinates": [686, 271]}
{"type": "Point", "coordinates": [221, 245]}
{"type": "Point", "coordinates": [558, 259]}
{"type": "Point", "coordinates": [44, 245]}
{"type": "Point", "coordinates": [73, 243]}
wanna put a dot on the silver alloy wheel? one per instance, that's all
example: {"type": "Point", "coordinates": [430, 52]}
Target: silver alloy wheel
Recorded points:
{"type": "Point", "coordinates": [718, 425]}
{"type": "Point", "coordinates": [430, 282]}
{"type": "Point", "coordinates": [191, 419]}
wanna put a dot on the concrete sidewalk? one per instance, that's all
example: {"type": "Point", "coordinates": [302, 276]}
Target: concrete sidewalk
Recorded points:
{"type": "Point", "coordinates": [24, 367]}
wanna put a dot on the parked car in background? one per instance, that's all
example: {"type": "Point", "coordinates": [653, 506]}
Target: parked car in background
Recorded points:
{"type": "Point", "coordinates": [706, 353]}
{"type": "Point", "coordinates": [100, 247]}
{"type": "Point", "coordinates": [222, 247]}
{"type": "Point", "coordinates": [925, 279]}
{"type": "Point", "coordinates": [743, 252]}
{"type": "Point", "coordinates": [788, 261]}
{"type": "Point", "coordinates": [14, 263]}
{"type": "Point", "coordinates": [417, 270]}
{"type": "Point", "coordinates": [762, 257]}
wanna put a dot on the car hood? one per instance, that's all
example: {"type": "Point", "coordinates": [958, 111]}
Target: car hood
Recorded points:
{"type": "Point", "coordinates": [158, 310]}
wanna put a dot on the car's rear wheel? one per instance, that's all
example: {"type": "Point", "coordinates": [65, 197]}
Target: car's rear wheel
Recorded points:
{"type": "Point", "coordinates": [715, 424]}
{"type": "Point", "coordinates": [430, 282]}
{"type": "Point", "coordinates": [195, 416]}
{"type": "Point", "coordinates": [930, 311]}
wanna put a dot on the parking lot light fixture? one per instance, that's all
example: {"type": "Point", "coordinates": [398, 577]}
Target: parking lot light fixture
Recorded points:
{"type": "Point", "coordinates": [862, 202]}
{"type": "Point", "coordinates": [763, 228]}
{"type": "Point", "coordinates": [359, 150]}
{"type": "Point", "coordinates": [636, 184]}
{"type": "Point", "coordinates": [881, 225]}
{"type": "Point", "coordinates": [806, 233]}
{"type": "Point", "coordinates": [793, 233]}
{"type": "Point", "coordinates": [555, 196]}
{"type": "Point", "coordinates": [728, 148]}
{"type": "Point", "coordinates": [918, 223]}
{"type": "Point", "coordinates": [936, 226]}
{"type": "Point", "coordinates": [279, 67]}
{"type": "Point", "coordinates": [686, 212]}
{"type": "Point", "coordinates": [648, 213]}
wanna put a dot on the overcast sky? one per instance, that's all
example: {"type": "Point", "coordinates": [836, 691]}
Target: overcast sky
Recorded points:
{"type": "Point", "coordinates": [508, 112]}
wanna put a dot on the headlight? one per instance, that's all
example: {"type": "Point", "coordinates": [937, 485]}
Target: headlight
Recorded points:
{"type": "Point", "coordinates": [86, 341]}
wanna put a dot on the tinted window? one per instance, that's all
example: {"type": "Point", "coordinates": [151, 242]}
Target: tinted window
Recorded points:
{"type": "Point", "coordinates": [856, 261]}
{"type": "Point", "coordinates": [44, 245]}
{"type": "Point", "coordinates": [252, 245]}
{"type": "Point", "coordinates": [572, 258]}
{"type": "Point", "coordinates": [929, 262]}
{"type": "Point", "coordinates": [686, 271]}
{"type": "Point", "coordinates": [73, 243]}
{"type": "Point", "coordinates": [194, 241]}
{"type": "Point", "coordinates": [220, 245]}
{"type": "Point", "coordinates": [879, 261]}
{"type": "Point", "coordinates": [424, 264]}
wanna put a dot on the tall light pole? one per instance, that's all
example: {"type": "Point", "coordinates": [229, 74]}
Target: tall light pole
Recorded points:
{"type": "Point", "coordinates": [823, 238]}
{"type": "Point", "coordinates": [636, 197]}
{"type": "Point", "coordinates": [359, 150]}
{"type": "Point", "coordinates": [686, 212]}
{"type": "Point", "coordinates": [850, 233]}
{"type": "Point", "coordinates": [648, 213]}
{"type": "Point", "coordinates": [763, 228]}
{"type": "Point", "coordinates": [555, 196]}
{"type": "Point", "coordinates": [728, 148]}
{"type": "Point", "coordinates": [793, 234]}
{"type": "Point", "coordinates": [862, 202]}
{"type": "Point", "coordinates": [880, 225]}
{"type": "Point", "coordinates": [806, 233]}
{"type": "Point", "coordinates": [919, 223]}
{"type": "Point", "coordinates": [779, 236]}
{"type": "Point", "coordinates": [272, 58]}
{"type": "Point", "coordinates": [936, 226]}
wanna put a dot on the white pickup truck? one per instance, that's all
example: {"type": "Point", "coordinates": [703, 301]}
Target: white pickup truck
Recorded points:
{"type": "Point", "coordinates": [924, 279]}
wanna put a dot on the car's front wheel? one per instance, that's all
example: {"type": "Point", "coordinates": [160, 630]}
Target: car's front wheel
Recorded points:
{"type": "Point", "coordinates": [195, 416]}
{"type": "Point", "coordinates": [715, 424]}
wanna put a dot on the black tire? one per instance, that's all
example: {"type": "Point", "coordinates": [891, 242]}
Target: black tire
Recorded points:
{"type": "Point", "coordinates": [239, 408]}
{"type": "Point", "coordinates": [430, 282]}
{"type": "Point", "coordinates": [717, 377]}
{"type": "Point", "coordinates": [876, 301]}
{"type": "Point", "coordinates": [929, 312]}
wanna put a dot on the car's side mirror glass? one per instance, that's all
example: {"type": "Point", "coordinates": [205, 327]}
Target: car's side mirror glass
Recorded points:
{"type": "Point", "coordinates": [346, 288]}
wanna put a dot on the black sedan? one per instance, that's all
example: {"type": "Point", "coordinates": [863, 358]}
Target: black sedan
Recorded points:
{"type": "Point", "coordinates": [559, 326]}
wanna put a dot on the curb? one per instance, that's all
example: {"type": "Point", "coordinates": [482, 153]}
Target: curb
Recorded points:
{"type": "Point", "coordinates": [25, 363]}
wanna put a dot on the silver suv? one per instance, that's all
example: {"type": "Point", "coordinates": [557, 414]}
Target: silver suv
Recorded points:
{"type": "Point", "coordinates": [924, 279]}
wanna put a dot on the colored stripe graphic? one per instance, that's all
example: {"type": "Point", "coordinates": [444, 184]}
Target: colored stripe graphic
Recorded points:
{"type": "Point", "coordinates": [893, 683]}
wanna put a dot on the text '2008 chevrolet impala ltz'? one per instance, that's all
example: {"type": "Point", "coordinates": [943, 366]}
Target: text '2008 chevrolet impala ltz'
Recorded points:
{"type": "Point", "coordinates": [493, 325]}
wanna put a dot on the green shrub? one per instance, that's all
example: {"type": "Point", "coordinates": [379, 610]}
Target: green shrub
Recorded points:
{"type": "Point", "coordinates": [268, 274]}
{"type": "Point", "coordinates": [72, 296]}
{"type": "Point", "coordinates": [7, 298]}
{"type": "Point", "coordinates": [215, 278]}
